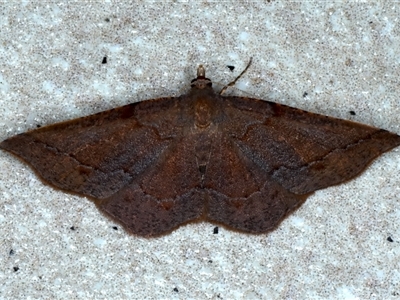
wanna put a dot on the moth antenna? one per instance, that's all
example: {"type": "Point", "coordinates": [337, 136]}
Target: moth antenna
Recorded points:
{"type": "Point", "coordinates": [236, 79]}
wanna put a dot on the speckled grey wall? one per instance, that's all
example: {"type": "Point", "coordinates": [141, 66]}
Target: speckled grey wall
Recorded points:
{"type": "Point", "coordinates": [329, 58]}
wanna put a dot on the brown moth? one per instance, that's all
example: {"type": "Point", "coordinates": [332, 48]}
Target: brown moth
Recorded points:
{"type": "Point", "coordinates": [245, 163]}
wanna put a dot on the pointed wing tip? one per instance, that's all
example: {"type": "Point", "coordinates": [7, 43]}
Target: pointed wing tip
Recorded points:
{"type": "Point", "coordinates": [393, 139]}
{"type": "Point", "coordinates": [15, 144]}
{"type": "Point", "coordinates": [4, 145]}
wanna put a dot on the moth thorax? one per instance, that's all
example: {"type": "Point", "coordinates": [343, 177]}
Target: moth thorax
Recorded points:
{"type": "Point", "coordinates": [203, 113]}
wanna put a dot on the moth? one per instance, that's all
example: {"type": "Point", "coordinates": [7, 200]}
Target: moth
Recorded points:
{"type": "Point", "coordinates": [241, 162]}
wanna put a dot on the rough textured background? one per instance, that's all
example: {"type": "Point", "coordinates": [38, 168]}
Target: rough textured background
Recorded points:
{"type": "Point", "coordinates": [343, 243]}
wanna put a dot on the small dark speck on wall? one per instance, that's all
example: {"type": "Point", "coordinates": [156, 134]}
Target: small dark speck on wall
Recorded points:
{"type": "Point", "coordinates": [104, 61]}
{"type": "Point", "coordinates": [352, 112]}
{"type": "Point", "coordinates": [305, 94]}
{"type": "Point", "coordinates": [72, 228]}
{"type": "Point", "coordinates": [389, 239]}
{"type": "Point", "coordinates": [215, 230]}
{"type": "Point", "coordinates": [16, 269]}
{"type": "Point", "coordinates": [115, 227]}
{"type": "Point", "coordinates": [12, 252]}
{"type": "Point", "coordinates": [231, 68]}
{"type": "Point", "coordinates": [176, 290]}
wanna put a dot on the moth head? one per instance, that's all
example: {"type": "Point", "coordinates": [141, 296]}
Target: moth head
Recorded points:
{"type": "Point", "coordinates": [201, 82]}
